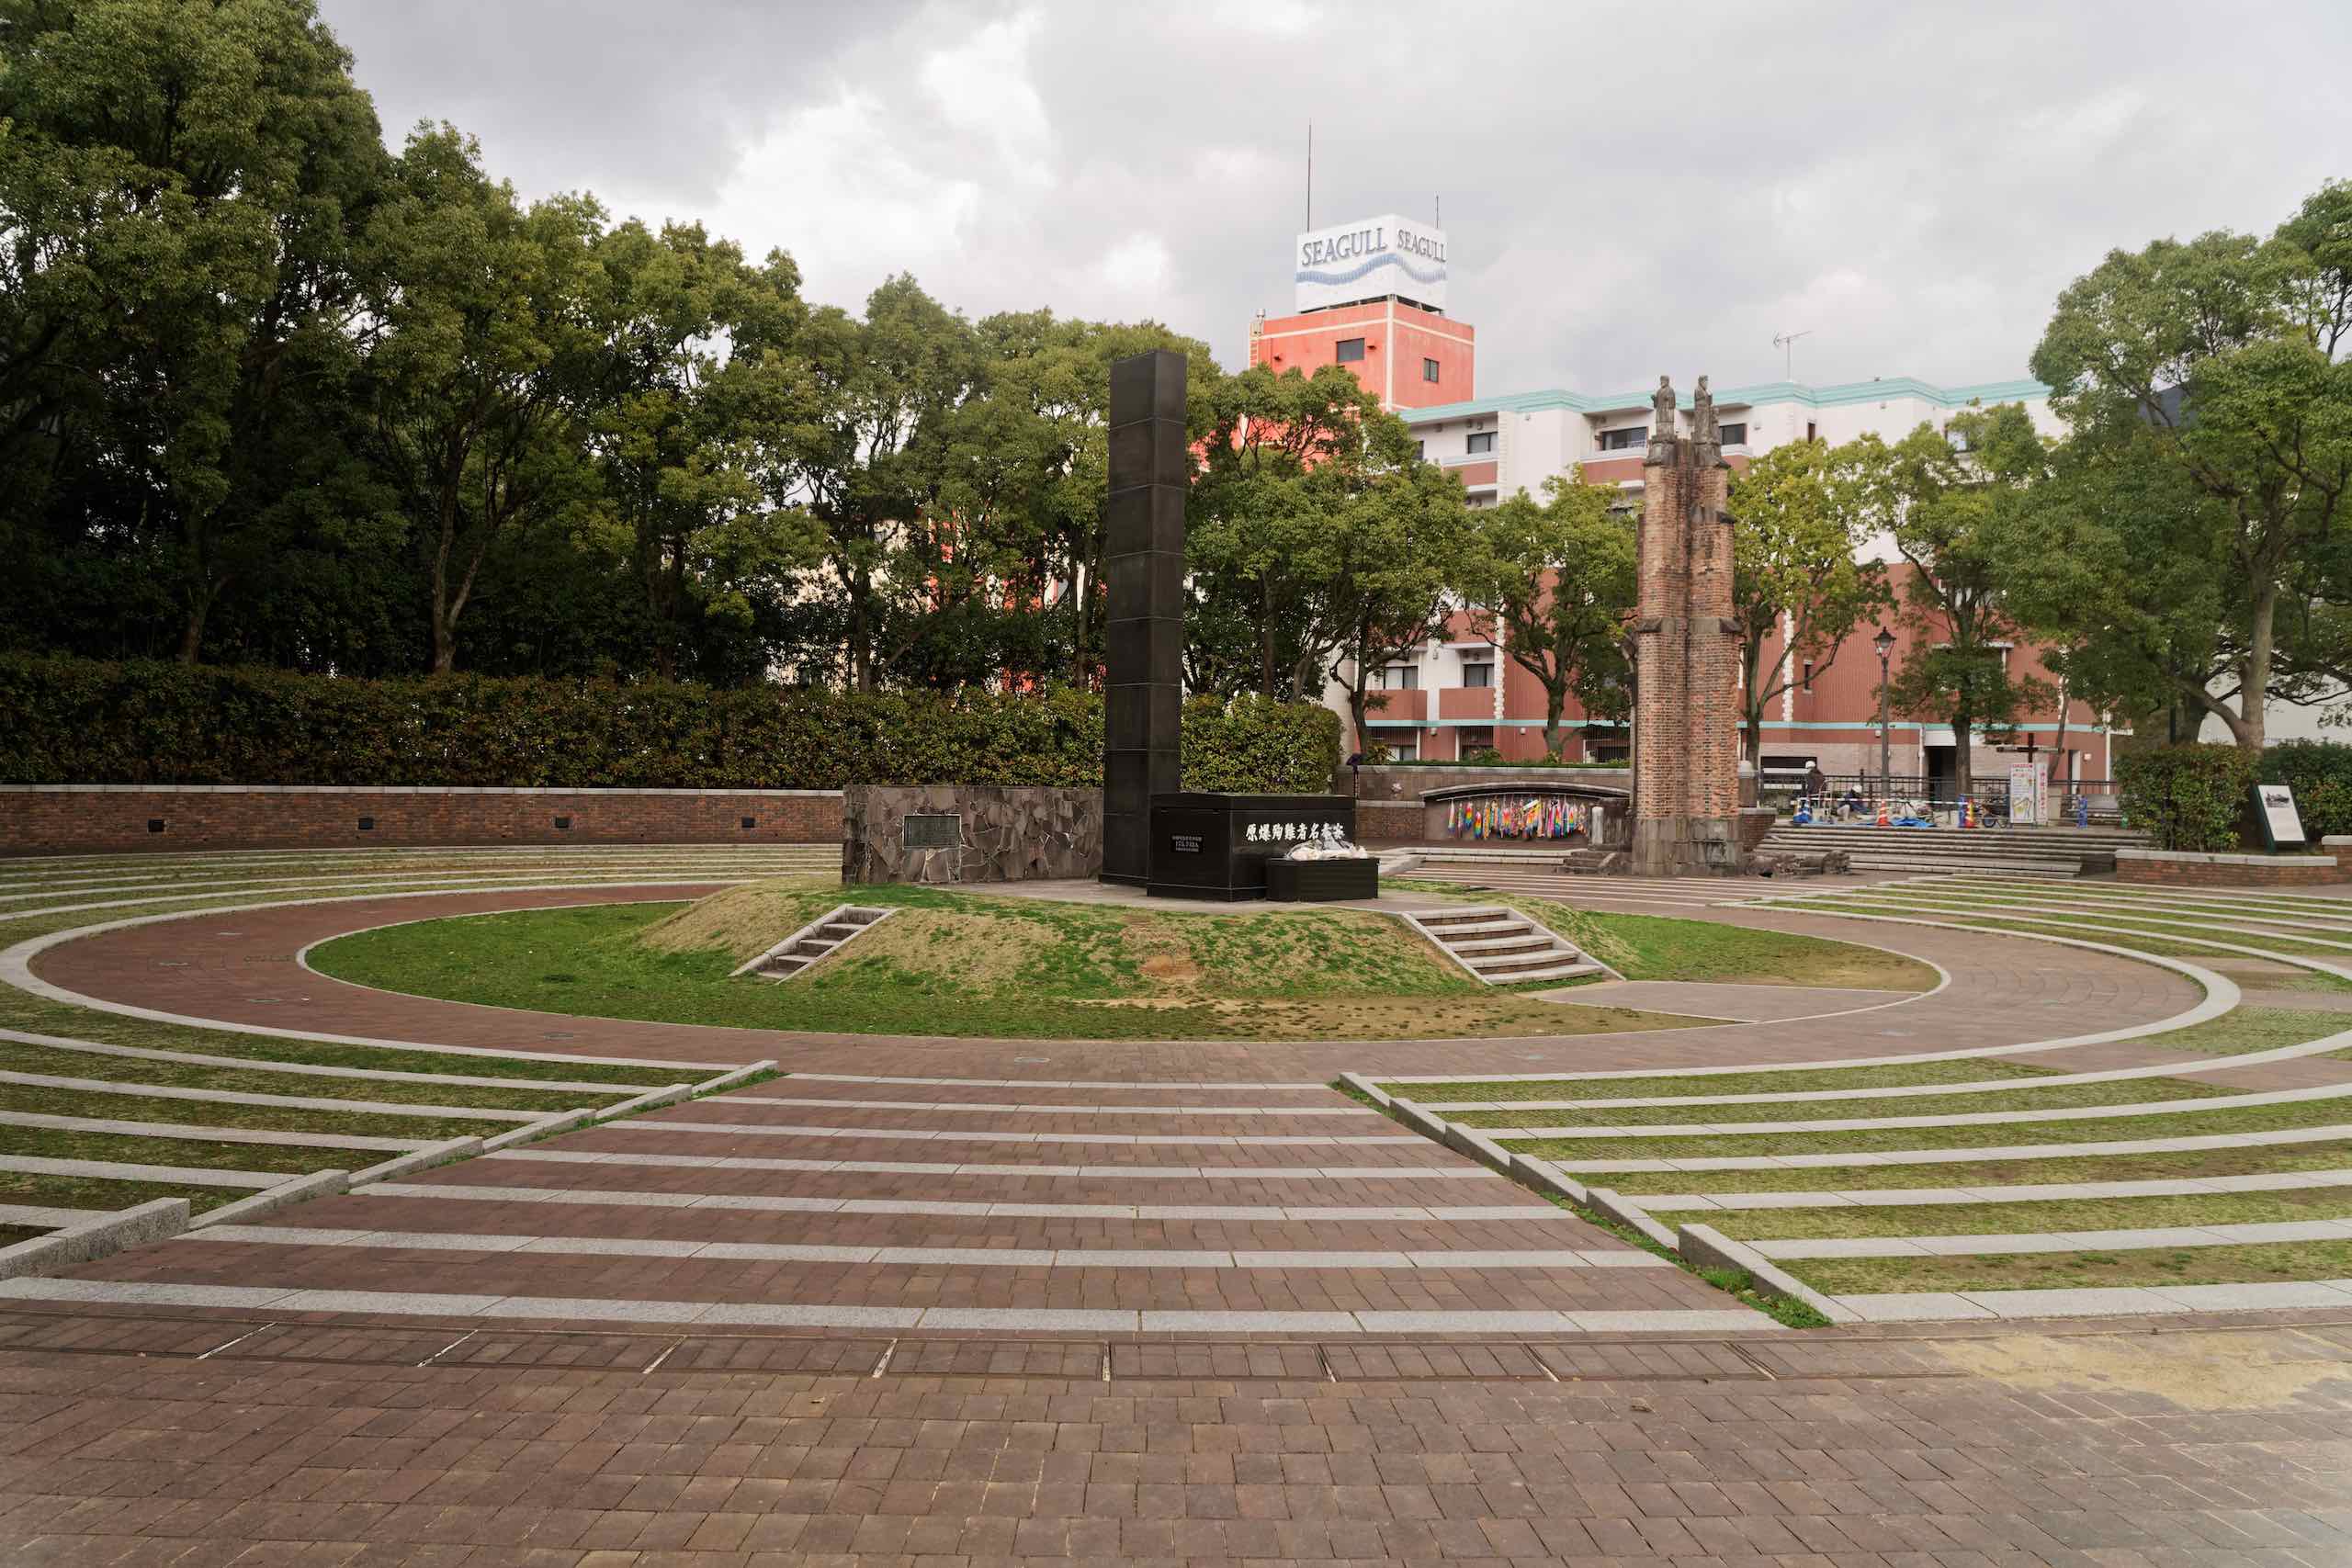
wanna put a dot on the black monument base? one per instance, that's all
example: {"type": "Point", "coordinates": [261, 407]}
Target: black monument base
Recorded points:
{"type": "Point", "coordinates": [1218, 846]}
{"type": "Point", "coordinates": [1321, 881]}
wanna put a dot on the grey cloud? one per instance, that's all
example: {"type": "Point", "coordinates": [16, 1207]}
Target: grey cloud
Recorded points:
{"type": "Point", "coordinates": [1627, 190]}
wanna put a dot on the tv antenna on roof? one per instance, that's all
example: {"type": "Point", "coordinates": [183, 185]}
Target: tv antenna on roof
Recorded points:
{"type": "Point", "coordinates": [1787, 343]}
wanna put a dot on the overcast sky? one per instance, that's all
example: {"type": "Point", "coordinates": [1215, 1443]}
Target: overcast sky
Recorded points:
{"type": "Point", "coordinates": [1628, 190]}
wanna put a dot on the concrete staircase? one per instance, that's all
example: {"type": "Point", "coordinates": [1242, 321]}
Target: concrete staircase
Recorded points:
{"type": "Point", "coordinates": [2008, 851]}
{"type": "Point", "coordinates": [1502, 947]}
{"type": "Point", "coordinates": [819, 939]}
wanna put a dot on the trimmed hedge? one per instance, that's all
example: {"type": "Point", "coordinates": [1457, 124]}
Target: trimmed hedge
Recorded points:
{"type": "Point", "coordinates": [2191, 798]}
{"type": "Point", "coordinates": [76, 721]}
{"type": "Point", "coordinates": [2320, 773]}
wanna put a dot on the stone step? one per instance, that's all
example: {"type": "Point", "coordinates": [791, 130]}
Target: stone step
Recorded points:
{"type": "Point", "coordinates": [823, 936]}
{"type": "Point", "coordinates": [1520, 967]}
{"type": "Point", "coordinates": [1504, 946]}
{"type": "Point", "coordinates": [1575, 971]}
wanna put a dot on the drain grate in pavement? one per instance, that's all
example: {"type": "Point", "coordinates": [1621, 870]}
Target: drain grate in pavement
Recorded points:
{"type": "Point", "coordinates": [374, 1346]}
{"type": "Point", "coordinates": [853, 1356]}
{"type": "Point", "coordinates": [1218, 1363]}
{"type": "Point", "coordinates": [1648, 1362]}
{"type": "Point", "coordinates": [591, 1352]}
{"type": "Point", "coordinates": [1412, 1362]}
{"type": "Point", "coordinates": [996, 1359]}
{"type": "Point", "coordinates": [119, 1335]}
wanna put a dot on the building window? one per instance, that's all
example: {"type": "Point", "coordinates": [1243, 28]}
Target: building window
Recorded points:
{"type": "Point", "coordinates": [1422, 450]}
{"type": "Point", "coordinates": [1472, 737]}
{"type": "Point", "coordinates": [1732, 435]}
{"type": "Point", "coordinates": [1811, 430]}
{"type": "Point", "coordinates": [1401, 678]}
{"type": "Point", "coordinates": [1808, 677]}
{"type": "Point", "coordinates": [1481, 441]}
{"type": "Point", "coordinates": [1624, 440]}
{"type": "Point", "coordinates": [1350, 350]}
{"type": "Point", "coordinates": [1406, 749]}
{"type": "Point", "coordinates": [1481, 673]}
{"type": "Point", "coordinates": [1429, 370]}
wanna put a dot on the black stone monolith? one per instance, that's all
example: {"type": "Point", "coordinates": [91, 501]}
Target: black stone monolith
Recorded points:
{"type": "Point", "coordinates": [1143, 570]}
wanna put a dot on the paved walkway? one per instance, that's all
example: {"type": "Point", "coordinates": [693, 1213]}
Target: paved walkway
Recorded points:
{"type": "Point", "coordinates": [755, 1208]}
{"type": "Point", "coordinates": [155, 1439]}
{"type": "Point", "coordinates": [951, 1302]}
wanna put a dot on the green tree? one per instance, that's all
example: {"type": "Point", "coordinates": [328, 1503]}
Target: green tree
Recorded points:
{"type": "Point", "coordinates": [2209, 398]}
{"type": "Point", "coordinates": [699, 397]}
{"type": "Point", "coordinates": [486, 361]}
{"type": "Point", "coordinates": [183, 184]}
{"type": "Point", "coordinates": [1554, 584]}
{"type": "Point", "coordinates": [869, 460]}
{"type": "Point", "coordinates": [1799, 584]}
{"type": "Point", "coordinates": [1025, 475]}
{"type": "Point", "coordinates": [1279, 450]}
{"type": "Point", "coordinates": [1395, 531]}
{"type": "Point", "coordinates": [1946, 498]}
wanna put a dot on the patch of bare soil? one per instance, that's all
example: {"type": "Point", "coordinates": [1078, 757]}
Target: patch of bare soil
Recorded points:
{"type": "Point", "coordinates": [2196, 1371]}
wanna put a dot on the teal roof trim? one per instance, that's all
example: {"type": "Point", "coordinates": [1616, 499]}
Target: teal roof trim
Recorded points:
{"type": "Point", "coordinates": [1843, 395]}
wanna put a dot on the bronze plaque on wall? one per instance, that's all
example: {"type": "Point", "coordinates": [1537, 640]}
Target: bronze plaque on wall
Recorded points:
{"type": "Point", "coordinates": [933, 830]}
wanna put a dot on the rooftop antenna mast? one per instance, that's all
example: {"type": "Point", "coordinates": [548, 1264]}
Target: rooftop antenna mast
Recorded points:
{"type": "Point", "coordinates": [1787, 343]}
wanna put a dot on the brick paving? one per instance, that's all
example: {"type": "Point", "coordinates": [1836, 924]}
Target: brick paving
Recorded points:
{"type": "Point", "coordinates": [300, 1444]}
{"type": "Point", "coordinates": [1167, 1241]}
{"type": "Point", "coordinates": [431, 1432]}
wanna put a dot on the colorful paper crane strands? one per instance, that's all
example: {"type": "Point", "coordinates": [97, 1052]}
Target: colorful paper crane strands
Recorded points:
{"type": "Point", "coordinates": [1515, 817]}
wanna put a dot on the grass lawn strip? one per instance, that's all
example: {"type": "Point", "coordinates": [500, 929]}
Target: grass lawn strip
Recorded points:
{"type": "Point", "coordinates": [2132, 925]}
{"type": "Point", "coordinates": [96, 1192]}
{"type": "Point", "coordinates": [2261, 1159]}
{"type": "Point", "coordinates": [200, 1112]}
{"type": "Point", "coordinates": [2243, 1265]}
{"type": "Point", "coordinates": [2041, 1217]}
{"type": "Point", "coordinates": [2063, 1097]}
{"type": "Point", "coordinates": [2167, 947]}
{"type": "Point", "coordinates": [1795, 1081]}
{"type": "Point", "coordinates": [2323, 910]}
{"type": "Point", "coordinates": [44, 1143]}
{"type": "Point", "coordinates": [39, 1015]}
{"type": "Point", "coordinates": [1657, 947]}
{"type": "Point", "coordinates": [22, 1058]}
{"type": "Point", "coordinates": [2002, 1133]}
{"type": "Point", "coordinates": [17, 926]}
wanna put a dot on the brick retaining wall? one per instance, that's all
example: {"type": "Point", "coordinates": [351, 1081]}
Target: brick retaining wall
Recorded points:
{"type": "Point", "coordinates": [2181, 869]}
{"type": "Point", "coordinates": [96, 818]}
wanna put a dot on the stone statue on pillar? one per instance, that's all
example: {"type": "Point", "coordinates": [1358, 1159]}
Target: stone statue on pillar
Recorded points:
{"type": "Point", "coordinates": [1662, 409]}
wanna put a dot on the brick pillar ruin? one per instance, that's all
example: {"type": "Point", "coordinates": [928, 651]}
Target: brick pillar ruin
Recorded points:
{"type": "Point", "coordinates": [1686, 735]}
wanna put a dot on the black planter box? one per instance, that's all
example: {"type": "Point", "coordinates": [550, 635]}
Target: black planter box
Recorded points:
{"type": "Point", "coordinates": [1218, 846]}
{"type": "Point", "coordinates": [1321, 881]}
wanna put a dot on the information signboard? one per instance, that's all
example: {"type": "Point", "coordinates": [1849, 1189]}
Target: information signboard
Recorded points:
{"type": "Point", "coordinates": [2282, 825]}
{"type": "Point", "coordinates": [2025, 795]}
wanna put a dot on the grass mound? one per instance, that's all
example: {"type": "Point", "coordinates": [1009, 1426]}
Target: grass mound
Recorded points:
{"type": "Point", "coordinates": [953, 962]}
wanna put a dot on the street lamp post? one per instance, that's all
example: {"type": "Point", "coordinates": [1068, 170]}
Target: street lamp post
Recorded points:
{"type": "Point", "coordinates": [1884, 643]}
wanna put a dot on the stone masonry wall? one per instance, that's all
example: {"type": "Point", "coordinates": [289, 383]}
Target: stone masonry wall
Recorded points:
{"type": "Point", "coordinates": [95, 819]}
{"type": "Point", "coordinates": [1004, 832]}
